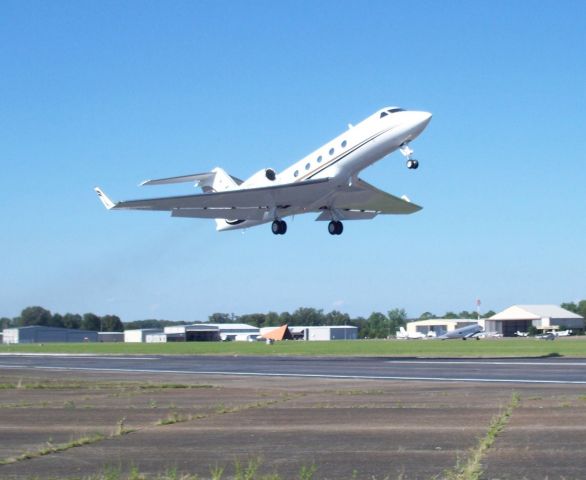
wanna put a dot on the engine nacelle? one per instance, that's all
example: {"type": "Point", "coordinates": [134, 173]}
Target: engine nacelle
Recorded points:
{"type": "Point", "coordinates": [262, 178]}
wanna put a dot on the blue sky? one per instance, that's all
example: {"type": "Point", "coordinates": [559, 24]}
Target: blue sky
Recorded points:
{"type": "Point", "coordinates": [112, 93]}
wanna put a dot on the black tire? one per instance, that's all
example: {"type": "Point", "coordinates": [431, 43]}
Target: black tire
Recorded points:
{"type": "Point", "coordinates": [332, 228]}
{"type": "Point", "coordinates": [283, 230]}
{"type": "Point", "coordinates": [339, 228]}
{"type": "Point", "coordinates": [276, 227]}
{"type": "Point", "coordinates": [415, 164]}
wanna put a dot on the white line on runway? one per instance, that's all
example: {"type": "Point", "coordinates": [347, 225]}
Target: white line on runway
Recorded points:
{"type": "Point", "coordinates": [74, 355]}
{"type": "Point", "coordinates": [489, 362]}
{"type": "Point", "coordinates": [312, 375]}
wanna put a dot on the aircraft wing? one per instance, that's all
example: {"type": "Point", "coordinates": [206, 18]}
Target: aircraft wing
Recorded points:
{"type": "Point", "coordinates": [250, 203]}
{"type": "Point", "coordinates": [362, 201]}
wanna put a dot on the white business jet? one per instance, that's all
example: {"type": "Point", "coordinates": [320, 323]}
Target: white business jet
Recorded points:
{"type": "Point", "coordinates": [324, 182]}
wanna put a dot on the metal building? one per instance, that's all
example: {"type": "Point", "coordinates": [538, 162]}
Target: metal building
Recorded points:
{"type": "Point", "coordinates": [193, 333]}
{"type": "Point", "coordinates": [236, 331]}
{"type": "Point", "coordinates": [42, 334]}
{"type": "Point", "coordinates": [110, 337]}
{"type": "Point", "coordinates": [139, 335]}
{"type": "Point", "coordinates": [521, 317]}
{"type": "Point", "coordinates": [330, 332]}
{"type": "Point", "coordinates": [438, 326]}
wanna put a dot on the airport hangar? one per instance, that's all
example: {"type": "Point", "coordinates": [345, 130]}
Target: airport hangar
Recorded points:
{"type": "Point", "coordinates": [521, 317]}
{"type": "Point", "coordinates": [513, 319]}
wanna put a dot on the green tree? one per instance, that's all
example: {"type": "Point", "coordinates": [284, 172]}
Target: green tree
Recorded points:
{"type": "Point", "coordinates": [72, 320]}
{"type": "Point", "coordinates": [570, 306]}
{"type": "Point", "coordinates": [222, 318]}
{"type": "Point", "coordinates": [488, 314]}
{"type": "Point", "coordinates": [273, 319]}
{"type": "Point", "coordinates": [451, 315]}
{"type": "Point", "coordinates": [377, 326]}
{"type": "Point", "coordinates": [56, 320]}
{"type": "Point", "coordinates": [426, 316]}
{"type": "Point", "coordinates": [397, 318]}
{"type": "Point", "coordinates": [111, 323]}
{"type": "Point", "coordinates": [34, 316]}
{"type": "Point", "coordinates": [337, 318]}
{"type": "Point", "coordinates": [90, 321]}
{"type": "Point", "coordinates": [308, 317]}
{"type": "Point", "coordinates": [255, 319]}
{"type": "Point", "coordinates": [5, 322]}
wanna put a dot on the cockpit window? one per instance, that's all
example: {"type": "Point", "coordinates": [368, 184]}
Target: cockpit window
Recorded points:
{"type": "Point", "coordinates": [383, 114]}
{"type": "Point", "coordinates": [395, 110]}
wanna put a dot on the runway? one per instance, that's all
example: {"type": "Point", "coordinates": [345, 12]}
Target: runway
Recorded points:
{"type": "Point", "coordinates": [523, 370]}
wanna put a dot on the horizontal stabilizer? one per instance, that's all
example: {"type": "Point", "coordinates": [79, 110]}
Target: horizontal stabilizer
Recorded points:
{"type": "Point", "coordinates": [109, 204]}
{"type": "Point", "coordinates": [196, 178]}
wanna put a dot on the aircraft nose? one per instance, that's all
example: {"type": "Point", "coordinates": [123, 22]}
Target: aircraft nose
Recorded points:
{"type": "Point", "coordinates": [423, 118]}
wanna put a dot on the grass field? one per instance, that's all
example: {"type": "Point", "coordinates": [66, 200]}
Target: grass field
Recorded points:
{"type": "Point", "coordinates": [513, 347]}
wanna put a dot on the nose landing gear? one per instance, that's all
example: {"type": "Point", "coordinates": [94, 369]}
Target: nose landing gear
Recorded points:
{"type": "Point", "coordinates": [279, 227]}
{"type": "Point", "coordinates": [412, 164]}
{"type": "Point", "coordinates": [335, 227]}
{"type": "Point", "coordinates": [406, 151]}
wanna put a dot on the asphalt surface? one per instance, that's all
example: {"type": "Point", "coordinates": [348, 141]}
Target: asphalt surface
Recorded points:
{"type": "Point", "coordinates": [524, 370]}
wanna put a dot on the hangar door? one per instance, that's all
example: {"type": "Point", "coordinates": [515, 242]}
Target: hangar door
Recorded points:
{"type": "Point", "coordinates": [511, 326]}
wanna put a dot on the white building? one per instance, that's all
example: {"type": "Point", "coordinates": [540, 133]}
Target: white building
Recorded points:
{"type": "Point", "coordinates": [193, 333]}
{"type": "Point", "coordinates": [236, 331]}
{"type": "Point", "coordinates": [139, 335]}
{"type": "Point", "coordinates": [439, 326]}
{"type": "Point", "coordinates": [521, 317]}
{"type": "Point", "coordinates": [329, 332]}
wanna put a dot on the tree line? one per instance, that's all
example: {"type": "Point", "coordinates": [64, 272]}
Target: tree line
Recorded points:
{"type": "Point", "coordinates": [40, 316]}
{"type": "Point", "coordinates": [376, 325]}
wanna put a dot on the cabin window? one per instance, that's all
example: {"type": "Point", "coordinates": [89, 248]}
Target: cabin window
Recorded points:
{"type": "Point", "coordinates": [319, 159]}
{"type": "Point", "coordinates": [344, 143]}
{"type": "Point", "coordinates": [307, 165]}
{"type": "Point", "coordinates": [331, 151]}
{"type": "Point", "coordinates": [296, 174]}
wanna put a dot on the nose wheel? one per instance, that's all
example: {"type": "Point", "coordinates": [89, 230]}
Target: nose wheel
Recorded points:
{"type": "Point", "coordinates": [335, 227]}
{"type": "Point", "coordinates": [412, 164]}
{"type": "Point", "coordinates": [279, 227]}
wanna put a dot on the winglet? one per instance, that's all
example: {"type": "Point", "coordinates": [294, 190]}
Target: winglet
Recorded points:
{"type": "Point", "coordinates": [109, 204]}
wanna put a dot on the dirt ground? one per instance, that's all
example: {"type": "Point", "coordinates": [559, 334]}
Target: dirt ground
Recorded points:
{"type": "Point", "coordinates": [345, 429]}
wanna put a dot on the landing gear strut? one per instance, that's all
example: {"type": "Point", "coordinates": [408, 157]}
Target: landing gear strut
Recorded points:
{"type": "Point", "coordinates": [279, 227]}
{"type": "Point", "coordinates": [335, 227]}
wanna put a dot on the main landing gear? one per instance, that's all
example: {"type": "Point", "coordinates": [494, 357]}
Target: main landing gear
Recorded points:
{"type": "Point", "coordinates": [412, 164]}
{"type": "Point", "coordinates": [279, 227]}
{"type": "Point", "coordinates": [335, 227]}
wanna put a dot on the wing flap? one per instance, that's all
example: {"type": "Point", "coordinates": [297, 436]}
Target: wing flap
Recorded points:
{"type": "Point", "coordinates": [362, 196]}
{"type": "Point", "coordinates": [225, 213]}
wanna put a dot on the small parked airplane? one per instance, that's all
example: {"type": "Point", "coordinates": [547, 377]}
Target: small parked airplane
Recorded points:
{"type": "Point", "coordinates": [469, 331]}
{"type": "Point", "coordinates": [324, 182]}
{"type": "Point", "coordinates": [403, 334]}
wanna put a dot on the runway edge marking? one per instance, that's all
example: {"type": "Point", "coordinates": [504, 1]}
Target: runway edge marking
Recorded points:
{"type": "Point", "coordinates": [315, 375]}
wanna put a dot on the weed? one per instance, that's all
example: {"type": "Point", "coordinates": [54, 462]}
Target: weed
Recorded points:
{"type": "Point", "coordinates": [472, 469]}
{"type": "Point", "coordinates": [307, 472]}
{"type": "Point", "coordinates": [216, 472]}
